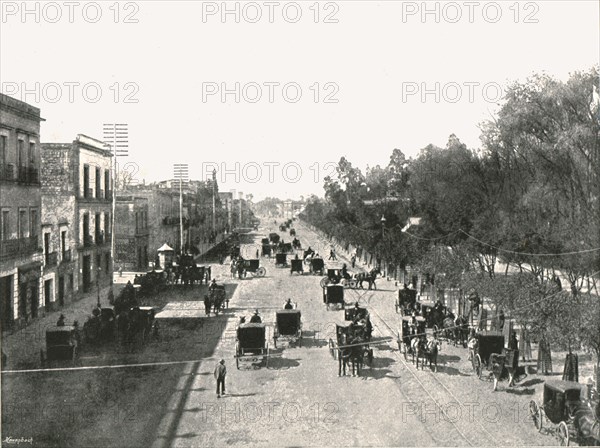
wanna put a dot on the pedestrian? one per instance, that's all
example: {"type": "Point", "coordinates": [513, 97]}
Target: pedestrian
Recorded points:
{"type": "Point", "coordinates": [257, 254]}
{"type": "Point", "coordinates": [220, 372]}
{"type": "Point", "coordinates": [120, 271]}
{"type": "Point", "coordinates": [206, 305]}
{"type": "Point", "coordinates": [61, 321]}
{"type": "Point", "coordinates": [353, 260]}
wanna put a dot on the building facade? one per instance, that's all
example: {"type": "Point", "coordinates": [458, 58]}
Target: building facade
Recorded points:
{"type": "Point", "coordinates": [132, 236]}
{"type": "Point", "coordinates": [79, 219]}
{"type": "Point", "coordinates": [20, 209]}
{"type": "Point", "coordinates": [59, 224]}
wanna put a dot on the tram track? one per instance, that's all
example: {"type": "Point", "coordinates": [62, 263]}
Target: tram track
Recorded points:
{"type": "Point", "coordinates": [429, 389]}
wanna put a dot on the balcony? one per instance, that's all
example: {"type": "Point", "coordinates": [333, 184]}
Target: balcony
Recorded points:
{"type": "Point", "coordinates": [66, 256]}
{"type": "Point", "coordinates": [51, 259]}
{"type": "Point", "coordinates": [18, 247]}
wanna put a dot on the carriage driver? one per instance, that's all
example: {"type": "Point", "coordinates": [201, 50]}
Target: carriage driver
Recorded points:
{"type": "Point", "coordinates": [213, 284]}
{"type": "Point", "coordinates": [288, 305]}
{"type": "Point", "coordinates": [255, 319]}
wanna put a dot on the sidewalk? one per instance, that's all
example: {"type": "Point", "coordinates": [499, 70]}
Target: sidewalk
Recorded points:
{"type": "Point", "coordinates": [23, 347]}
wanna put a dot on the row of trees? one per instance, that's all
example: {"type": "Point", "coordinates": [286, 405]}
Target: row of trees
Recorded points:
{"type": "Point", "coordinates": [510, 220]}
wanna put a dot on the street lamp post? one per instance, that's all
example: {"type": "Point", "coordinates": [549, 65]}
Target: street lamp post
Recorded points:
{"type": "Point", "coordinates": [382, 226]}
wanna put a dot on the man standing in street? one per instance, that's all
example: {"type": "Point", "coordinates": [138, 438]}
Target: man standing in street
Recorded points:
{"type": "Point", "coordinates": [220, 372]}
{"type": "Point", "coordinates": [207, 304]}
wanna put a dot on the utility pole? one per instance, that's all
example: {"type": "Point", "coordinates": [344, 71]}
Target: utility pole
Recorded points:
{"type": "Point", "coordinates": [214, 212]}
{"type": "Point", "coordinates": [181, 172]}
{"type": "Point", "coordinates": [118, 136]}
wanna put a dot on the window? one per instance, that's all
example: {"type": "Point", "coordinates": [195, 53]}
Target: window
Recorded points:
{"type": "Point", "coordinates": [107, 183]}
{"type": "Point", "coordinates": [107, 262]}
{"type": "Point", "coordinates": [86, 180]}
{"type": "Point", "coordinates": [22, 223]}
{"type": "Point", "coordinates": [107, 223]}
{"type": "Point", "coordinates": [5, 225]}
{"type": "Point", "coordinates": [3, 149]}
{"type": "Point", "coordinates": [33, 223]}
{"type": "Point", "coordinates": [63, 242]}
{"type": "Point", "coordinates": [31, 154]}
{"type": "Point", "coordinates": [21, 153]}
{"type": "Point", "coordinates": [98, 184]}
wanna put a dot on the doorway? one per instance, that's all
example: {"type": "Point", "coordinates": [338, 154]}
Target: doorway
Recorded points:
{"type": "Point", "coordinates": [86, 272]}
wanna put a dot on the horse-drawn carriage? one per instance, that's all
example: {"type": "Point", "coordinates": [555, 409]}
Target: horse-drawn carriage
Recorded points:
{"type": "Point", "coordinates": [405, 302]}
{"type": "Point", "coordinates": [61, 345]}
{"type": "Point", "coordinates": [274, 238]}
{"type": "Point", "coordinates": [218, 298]}
{"type": "Point", "coordinates": [292, 232]}
{"type": "Point", "coordinates": [266, 250]}
{"type": "Point", "coordinates": [564, 407]}
{"type": "Point", "coordinates": [288, 326]}
{"type": "Point", "coordinates": [281, 260]}
{"type": "Point", "coordinates": [488, 344]}
{"type": "Point", "coordinates": [282, 227]}
{"type": "Point", "coordinates": [317, 266]}
{"type": "Point", "coordinates": [336, 276]}
{"type": "Point", "coordinates": [253, 266]}
{"type": "Point", "coordinates": [297, 266]}
{"type": "Point", "coordinates": [286, 247]}
{"type": "Point", "coordinates": [408, 330]}
{"type": "Point", "coordinates": [351, 346]}
{"type": "Point", "coordinates": [333, 297]}
{"type": "Point", "coordinates": [251, 345]}
{"type": "Point", "coordinates": [296, 244]}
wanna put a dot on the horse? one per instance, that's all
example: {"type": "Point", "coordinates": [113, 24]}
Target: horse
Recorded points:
{"type": "Point", "coordinates": [587, 424]}
{"type": "Point", "coordinates": [427, 350]}
{"type": "Point", "coordinates": [350, 351]}
{"type": "Point", "coordinates": [370, 277]}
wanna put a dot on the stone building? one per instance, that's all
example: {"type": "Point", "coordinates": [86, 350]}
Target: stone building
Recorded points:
{"type": "Point", "coordinates": [163, 216]}
{"type": "Point", "coordinates": [20, 204]}
{"type": "Point", "coordinates": [132, 234]}
{"type": "Point", "coordinates": [78, 216]}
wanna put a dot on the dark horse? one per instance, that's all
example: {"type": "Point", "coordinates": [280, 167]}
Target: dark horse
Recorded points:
{"type": "Point", "coordinates": [350, 351]}
{"type": "Point", "coordinates": [369, 277]}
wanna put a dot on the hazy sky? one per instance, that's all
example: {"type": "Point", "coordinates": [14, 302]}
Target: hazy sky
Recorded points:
{"type": "Point", "coordinates": [371, 67]}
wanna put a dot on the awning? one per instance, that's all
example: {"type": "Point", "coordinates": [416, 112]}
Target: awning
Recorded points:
{"type": "Point", "coordinates": [165, 248]}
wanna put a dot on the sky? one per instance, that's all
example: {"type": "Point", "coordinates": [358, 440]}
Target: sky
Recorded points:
{"type": "Point", "coordinates": [272, 94]}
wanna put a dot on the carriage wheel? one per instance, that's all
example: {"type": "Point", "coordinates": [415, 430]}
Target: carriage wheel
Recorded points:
{"type": "Point", "coordinates": [324, 282]}
{"type": "Point", "coordinates": [261, 272]}
{"type": "Point", "coordinates": [352, 284]}
{"type": "Point", "coordinates": [536, 415]}
{"type": "Point", "coordinates": [345, 283]}
{"type": "Point", "coordinates": [332, 349]}
{"type": "Point", "coordinates": [477, 365]}
{"type": "Point", "coordinates": [563, 434]}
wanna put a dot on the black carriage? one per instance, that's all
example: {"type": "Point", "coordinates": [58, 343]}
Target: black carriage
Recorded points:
{"type": "Point", "coordinates": [274, 238]}
{"type": "Point", "coordinates": [61, 345]}
{"type": "Point", "coordinates": [487, 344]}
{"type": "Point", "coordinates": [335, 276]}
{"type": "Point", "coordinates": [253, 266]}
{"type": "Point", "coordinates": [266, 250]}
{"type": "Point", "coordinates": [297, 266]}
{"type": "Point", "coordinates": [288, 327]}
{"type": "Point", "coordinates": [296, 244]}
{"type": "Point", "coordinates": [333, 297]}
{"type": "Point", "coordinates": [317, 266]}
{"type": "Point", "coordinates": [405, 302]}
{"type": "Point", "coordinates": [251, 345]}
{"type": "Point", "coordinates": [564, 407]}
{"type": "Point", "coordinates": [282, 227]}
{"type": "Point", "coordinates": [101, 326]}
{"type": "Point", "coordinates": [218, 297]}
{"type": "Point", "coordinates": [345, 334]}
{"type": "Point", "coordinates": [265, 241]}
{"type": "Point", "coordinates": [281, 260]}
{"type": "Point", "coordinates": [292, 232]}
